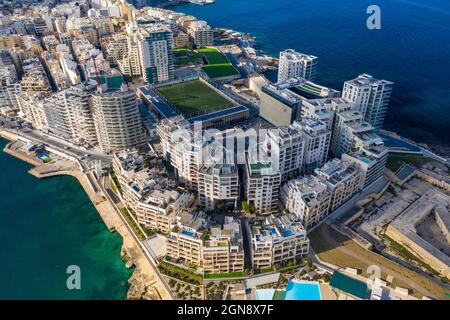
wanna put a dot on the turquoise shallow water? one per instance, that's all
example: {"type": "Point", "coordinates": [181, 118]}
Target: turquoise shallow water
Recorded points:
{"type": "Point", "coordinates": [47, 225]}
{"type": "Point", "coordinates": [412, 49]}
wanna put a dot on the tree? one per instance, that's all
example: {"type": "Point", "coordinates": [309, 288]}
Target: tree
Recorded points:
{"type": "Point", "coordinates": [220, 206]}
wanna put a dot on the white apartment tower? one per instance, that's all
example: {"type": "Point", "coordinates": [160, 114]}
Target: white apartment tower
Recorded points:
{"type": "Point", "coordinates": [76, 101]}
{"type": "Point", "coordinates": [308, 198]}
{"type": "Point", "coordinates": [218, 186]}
{"type": "Point", "coordinates": [317, 139]}
{"type": "Point", "coordinates": [262, 183]}
{"type": "Point", "coordinates": [285, 146]}
{"type": "Point", "coordinates": [294, 64]}
{"type": "Point", "coordinates": [155, 52]}
{"type": "Point", "coordinates": [371, 96]}
{"type": "Point", "coordinates": [200, 33]}
{"type": "Point", "coordinates": [117, 121]}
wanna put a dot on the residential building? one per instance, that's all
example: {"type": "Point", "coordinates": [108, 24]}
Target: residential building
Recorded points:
{"type": "Point", "coordinates": [187, 155]}
{"type": "Point", "coordinates": [278, 240]}
{"type": "Point", "coordinates": [166, 129]}
{"type": "Point", "coordinates": [218, 186]}
{"type": "Point", "coordinates": [371, 97]}
{"type": "Point", "coordinates": [294, 64]}
{"type": "Point", "coordinates": [34, 79]}
{"type": "Point", "coordinates": [317, 139]}
{"type": "Point", "coordinates": [147, 191]}
{"type": "Point", "coordinates": [308, 198]}
{"type": "Point", "coordinates": [262, 182]}
{"type": "Point", "coordinates": [214, 248]}
{"type": "Point", "coordinates": [285, 146]}
{"type": "Point", "coordinates": [117, 48]}
{"type": "Point", "coordinates": [200, 33]}
{"type": "Point", "coordinates": [155, 52]}
{"type": "Point", "coordinates": [117, 121]}
{"type": "Point", "coordinates": [371, 161]}
{"type": "Point", "coordinates": [8, 91]}
{"type": "Point", "coordinates": [79, 113]}
{"type": "Point", "coordinates": [343, 180]}
{"type": "Point", "coordinates": [324, 109]}
{"type": "Point", "coordinates": [180, 40]}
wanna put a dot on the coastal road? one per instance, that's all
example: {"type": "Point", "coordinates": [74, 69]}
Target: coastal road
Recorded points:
{"type": "Point", "coordinates": [55, 142]}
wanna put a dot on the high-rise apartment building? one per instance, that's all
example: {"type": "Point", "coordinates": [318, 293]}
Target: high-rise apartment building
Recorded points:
{"type": "Point", "coordinates": [285, 146]}
{"type": "Point", "coordinates": [294, 64]}
{"type": "Point", "coordinates": [218, 186]}
{"type": "Point", "coordinates": [317, 139]}
{"type": "Point", "coordinates": [262, 181]}
{"type": "Point", "coordinates": [308, 198]}
{"type": "Point", "coordinates": [155, 52]}
{"type": "Point", "coordinates": [117, 121]}
{"type": "Point", "coordinates": [371, 96]}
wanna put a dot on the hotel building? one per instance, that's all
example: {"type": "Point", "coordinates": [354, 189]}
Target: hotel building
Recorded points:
{"type": "Point", "coordinates": [278, 105]}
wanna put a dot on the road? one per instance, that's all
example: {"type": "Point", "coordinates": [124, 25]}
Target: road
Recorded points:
{"type": "Point", "coordinates": [55, 142]}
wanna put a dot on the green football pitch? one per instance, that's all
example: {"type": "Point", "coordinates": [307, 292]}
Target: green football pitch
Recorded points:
{"type": "Point", "coordinates": [193, 97]}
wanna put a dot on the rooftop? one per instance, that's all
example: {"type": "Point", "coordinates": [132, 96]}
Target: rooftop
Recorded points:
{"type": "Point", "coordinates": [336, 171]}
{"type": "Point", "coordinates": [274, 228]}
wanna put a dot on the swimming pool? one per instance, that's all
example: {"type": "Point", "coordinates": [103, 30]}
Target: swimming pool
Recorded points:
{"type": "Point", "coordinates": [302, 290]}
{"type": "Point", "coordinates": [264, 294]}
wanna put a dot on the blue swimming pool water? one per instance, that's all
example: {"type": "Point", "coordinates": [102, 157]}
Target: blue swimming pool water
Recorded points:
{"type": "Point", "coordinates": [264, 294]}
{"type": "Point", "coordinates": [187, 233]}
{"type": "Point", "coordinates": [302, 291]}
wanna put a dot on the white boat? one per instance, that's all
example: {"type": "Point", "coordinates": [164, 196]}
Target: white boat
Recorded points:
{"type": "Point", "coordinates": [202, 2]}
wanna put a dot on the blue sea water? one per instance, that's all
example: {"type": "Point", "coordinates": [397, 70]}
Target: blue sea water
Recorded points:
{"type": "Point", "coordinates": [412, 49]}
{"type": "Point", "coordinates": [46, 226]}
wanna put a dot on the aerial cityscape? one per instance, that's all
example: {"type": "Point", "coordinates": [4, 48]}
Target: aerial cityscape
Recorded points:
{"type": "Point", "coordinates": [150, 153]}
